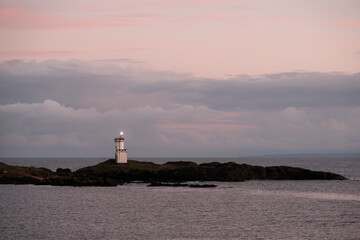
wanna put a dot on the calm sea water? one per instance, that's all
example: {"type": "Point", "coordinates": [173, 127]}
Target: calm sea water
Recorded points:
{"type": "Point", "coordinates": [246, 210]}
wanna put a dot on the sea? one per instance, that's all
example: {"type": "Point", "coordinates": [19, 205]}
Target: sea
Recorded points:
{"type": "Point", "coordinates": [254, 209]}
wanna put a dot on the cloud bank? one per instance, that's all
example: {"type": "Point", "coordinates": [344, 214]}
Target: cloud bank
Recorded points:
{"type": "Point", "coordinates": [74, 108]}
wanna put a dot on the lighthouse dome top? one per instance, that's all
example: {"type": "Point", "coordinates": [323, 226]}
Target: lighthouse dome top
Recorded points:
{"type": "Point", "coordinates": [120, 137]}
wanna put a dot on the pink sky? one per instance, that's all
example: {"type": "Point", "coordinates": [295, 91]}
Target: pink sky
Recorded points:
{"type": "Point", "coordinates": [205, 38]}
{"type": "Point", "coordinates": [177, 76]}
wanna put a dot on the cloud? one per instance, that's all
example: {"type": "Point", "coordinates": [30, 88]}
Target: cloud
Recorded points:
{"type": "Point", "coordinates": [52, 129]}
{"type": "Point", "coordinates": [175, 4]}
{"type": "Point", "coordinates": [40, 53]}
{"type": "Point", "coordinates": [52, 125]}
{"type": "Point", "coordinates": [17, 18]}
{"type": "Point", "coordinates": [103, 87]}
{"type": "Point", "coordinates": [267, 92]}
{"type": "Point", "coordinates": [347, 24]}
{"type": "Point", "coordinates": [74, 108]}
{"type": "Point", "coordinates": [110, 14]}
{"type": "Point", "coordinates": [127, 60]}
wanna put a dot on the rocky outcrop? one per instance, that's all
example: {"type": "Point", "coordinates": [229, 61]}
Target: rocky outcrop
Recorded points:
{"type": "Point", "coordinates": [109, 173]}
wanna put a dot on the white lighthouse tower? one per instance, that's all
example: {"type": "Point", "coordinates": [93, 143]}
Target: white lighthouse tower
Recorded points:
{"type": "Point", "coordinates": [120, 151]}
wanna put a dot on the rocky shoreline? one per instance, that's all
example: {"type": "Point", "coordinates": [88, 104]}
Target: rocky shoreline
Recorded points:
{"type": "Point", "coordinates": [173, 174]}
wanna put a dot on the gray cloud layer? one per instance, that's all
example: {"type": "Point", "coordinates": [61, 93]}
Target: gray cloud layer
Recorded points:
{"type": "Point", "coordinates": [75, 108]}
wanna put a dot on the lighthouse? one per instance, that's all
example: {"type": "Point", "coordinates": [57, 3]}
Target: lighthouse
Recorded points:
{"type": "Point", "coordinates": [120, 151]}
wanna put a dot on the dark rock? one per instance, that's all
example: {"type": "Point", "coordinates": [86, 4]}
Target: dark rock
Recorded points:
{"type": "Point", "coordinates": [109, 173]}
{"type": "Point", "coordinates": [63, 171]}
{"type": "Point", "coordinates": [161, 184]}
{"type": "Point", "coordinates": [189, 171]}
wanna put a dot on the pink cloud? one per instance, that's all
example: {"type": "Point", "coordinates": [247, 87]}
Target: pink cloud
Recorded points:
{"type": "Point", "coordinates": [40, 53]}
{"type": "Point", "coordinates": [192, 18]}
{"type": "Point", "coordinates": [209, 128]}
{"type": "Point", "coordinates": [16, 18]}
{"type": "Point", "coordinates": [158, 4]}
{"type": "Point", "coordinates": [347, 24]}
{"type": "Point", "coordinates": [203, 134]}
{"type": "Point", "coordinates": [196, 3]}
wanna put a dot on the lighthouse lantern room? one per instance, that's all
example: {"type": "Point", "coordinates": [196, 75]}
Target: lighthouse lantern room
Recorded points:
{"type": "Point", "coordinates": [120, 151]}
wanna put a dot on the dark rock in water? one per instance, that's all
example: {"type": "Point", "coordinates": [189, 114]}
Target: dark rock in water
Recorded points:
{"type": "Point", "coordinates": [159, 184]}
{"type": "Point", "coordinates": [81, 181]}
{"type": "Point", "coordinates": [23, 175]}
{"type": "Point", "coordinates": [63, 171]}
{"type": "Point", "coordinates": [109, 173]}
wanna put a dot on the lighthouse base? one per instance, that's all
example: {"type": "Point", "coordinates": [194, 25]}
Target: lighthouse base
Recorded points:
{"type": "Point", "coordinates": [121, 157]}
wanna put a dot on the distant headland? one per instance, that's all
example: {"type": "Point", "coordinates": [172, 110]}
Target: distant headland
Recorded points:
{"type": "Point", "coordinates": [110, 173]}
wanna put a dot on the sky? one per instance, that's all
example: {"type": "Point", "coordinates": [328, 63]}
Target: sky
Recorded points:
{"type": "Point", "coordinates": [181, 78]}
